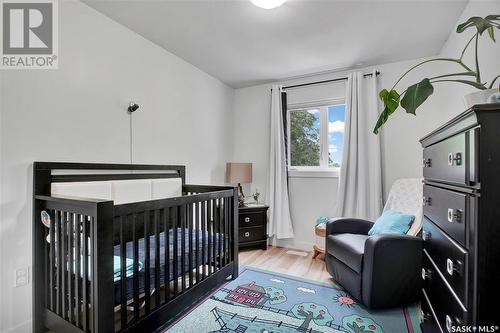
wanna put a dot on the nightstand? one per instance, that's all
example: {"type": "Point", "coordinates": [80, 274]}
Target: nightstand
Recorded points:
{"type": "Point", "coordinates": [253, 226]}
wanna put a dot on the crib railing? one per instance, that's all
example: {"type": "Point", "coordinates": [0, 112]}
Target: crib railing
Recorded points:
{"type": "Point", "coordinates": [76, 279]}
{"type": "Point", "coordinates": [79, 280]}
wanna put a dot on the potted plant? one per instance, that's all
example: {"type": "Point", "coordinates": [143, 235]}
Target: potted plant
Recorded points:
{"type": "Point", "coordinates": [415, 95]}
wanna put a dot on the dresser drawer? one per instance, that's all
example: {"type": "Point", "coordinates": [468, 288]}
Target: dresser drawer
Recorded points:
{"type": "Point", "coordinates": [249, 219]}
{"type": "Point", "coordinates": [448, 210]}
{"type": "Point", "coordinates": [449, 257]}
{"type": "Point", "coordinates": [428, 320]}
{"type": "Point", "coordinates": [252, 234]}
{"type": "Point", "coordinates": [446, 160]}
{"type": "Point", "coordinates": [449, 312]}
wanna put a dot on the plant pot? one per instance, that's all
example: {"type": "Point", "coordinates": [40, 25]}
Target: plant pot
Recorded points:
{"type": "Point", "coordinates": [482, 97]}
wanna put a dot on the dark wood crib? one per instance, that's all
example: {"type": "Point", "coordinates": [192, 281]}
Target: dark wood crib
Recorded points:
{"type": "Point", "coordinates": [104, 266]}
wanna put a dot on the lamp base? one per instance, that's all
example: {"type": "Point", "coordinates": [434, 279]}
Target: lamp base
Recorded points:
{"type": "Point", "coordinates": [241, 196]}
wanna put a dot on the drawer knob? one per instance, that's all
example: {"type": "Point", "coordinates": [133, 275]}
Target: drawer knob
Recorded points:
{"type": "Point", "coordinates": [427, 163]}
{"type": "Point", "coordinates": [453, 267]}
{"type": "Point", "coordinates": [247, 219]}
{"type": "Point", "coordinates": [450, 323]}
{"type": "Point", "coordinates": [426, 274]}
{"type": "Point", "coordinates": [426, 236]}
{"type": "Point", "coordinates": [427, 201]}
{"type": "Point", "coordinates": [454, 215]}
{"type": "Point", "coordinates": [424, 316]}
{"type": "Point", "coordinates": [247, 234]}
{"type": "Point", "coordinates": [455, 159]}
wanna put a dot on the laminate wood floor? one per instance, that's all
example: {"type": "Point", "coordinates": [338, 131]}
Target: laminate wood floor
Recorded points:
{"type": "Point", "coordinates": [277, 259]}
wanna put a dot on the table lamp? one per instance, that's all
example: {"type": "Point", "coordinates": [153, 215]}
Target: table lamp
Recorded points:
{"type": "Point", "coordinates": [238, 173]}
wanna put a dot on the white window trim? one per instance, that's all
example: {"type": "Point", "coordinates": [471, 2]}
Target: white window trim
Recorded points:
{"type": "Point", "coordinates": [314, 171]}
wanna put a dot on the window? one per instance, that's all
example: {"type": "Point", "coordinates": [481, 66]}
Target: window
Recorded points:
{"type": "Point", "coordinates": [316, 136]}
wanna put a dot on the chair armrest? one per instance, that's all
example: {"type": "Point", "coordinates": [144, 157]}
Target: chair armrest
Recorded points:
{"type": "Point", "coordinates": [392, 266]}
{"type": "Point", "coordinates": [349, 225]}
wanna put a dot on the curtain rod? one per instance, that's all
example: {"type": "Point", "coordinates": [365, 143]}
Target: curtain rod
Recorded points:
{"type": "Point", "coordinates": [325, 81]}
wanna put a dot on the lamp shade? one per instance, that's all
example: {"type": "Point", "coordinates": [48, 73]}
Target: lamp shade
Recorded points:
{"type": "Point", "coordinates": [238, 172]}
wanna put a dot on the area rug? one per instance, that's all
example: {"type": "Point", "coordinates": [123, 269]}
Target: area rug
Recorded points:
{"type": "Point", "coordinates": [260, 301]}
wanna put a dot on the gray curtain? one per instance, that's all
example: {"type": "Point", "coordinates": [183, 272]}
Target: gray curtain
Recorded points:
{"type": "Point", "coordinates": [360, 183]}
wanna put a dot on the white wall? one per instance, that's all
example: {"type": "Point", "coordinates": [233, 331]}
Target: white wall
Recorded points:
{"type": "Point", "coordinates": [402, 156]}
{"type": "Point", "coordinates": [489, 52]}
{"type": "Point", "coordinates": [78, 113]}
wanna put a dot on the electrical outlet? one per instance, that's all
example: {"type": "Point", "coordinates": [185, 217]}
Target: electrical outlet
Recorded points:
{"type": "Point", "coordinates": [21, 276]}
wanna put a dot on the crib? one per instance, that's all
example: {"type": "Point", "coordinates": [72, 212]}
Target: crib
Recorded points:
{"type": "Point", "coordinates": [125, 247]}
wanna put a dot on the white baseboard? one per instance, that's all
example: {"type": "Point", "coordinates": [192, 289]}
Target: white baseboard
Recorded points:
{"type": "Point", "coordinates": [293, 244]}
{"type": "Point", "coordinates": [21, 328]}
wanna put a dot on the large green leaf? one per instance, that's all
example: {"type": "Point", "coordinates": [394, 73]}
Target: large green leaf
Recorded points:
{"type": "Point", "coordinates": [390, 99]}
{"type": "Point", "coordinates": [491, 33]}
{"type": "Point", "coordinates": [481, 24]}
{"type": "Point", "coordinates": [391, 103]}
{"type": "Point", "coordinates": [416, 94]}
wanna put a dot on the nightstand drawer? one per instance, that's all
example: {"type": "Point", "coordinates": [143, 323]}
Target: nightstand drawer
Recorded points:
{"type": "Point", "coordinates": [252, 234]}
{"type": "Point", "coordinates": [249, 219]}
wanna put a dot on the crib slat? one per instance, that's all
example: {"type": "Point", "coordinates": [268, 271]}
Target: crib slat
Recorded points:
{"type": "Point", "coordinates": [197, 240]}
{"type": "Point", "coordinates": [183, 247]}
{"type": "Point", "coordinates": [71, 267]}
{"type": "Point", "coordinates": [135, 278]}
{"type": "Point", "coordinates": [78, 273]}
{"type": "Point", "coordinates": [157, 257]}
{"type": "Point", "coordinates": [226, 230]}
{"type": "Point", "coordinates": [219, 222]}
{"type": "Point", "coordinates": [190, 217]}
{"type": "Point", "coordinates": [210, 237]}
{"type": "Point", "coordinates": [63, 264]}
{"type": "Point", "coordinates": [52, 260]}
{"type": "Point", "coordinates": [147, 277]}
{"type": "Point", "coordinates": [123, 273]}
{"type": "Point", "coordinates": [166, 229]}
{"type": "Point", "coordinates": [229, 230]}
{"type": "Point", "coordinates": [214, 235]}
{"type": "Point", "coordinates": [85, 274]}
{"type": "Point", "coordinates": [46, 282]}
{"type": "Point", "coordinates": [203, 239]}
{"type": "Point", "coordinates": [175, 222]}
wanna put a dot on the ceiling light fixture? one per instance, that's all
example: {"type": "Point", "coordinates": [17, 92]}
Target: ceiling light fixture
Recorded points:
{"type": "Point", "coordinates": [268, 4]}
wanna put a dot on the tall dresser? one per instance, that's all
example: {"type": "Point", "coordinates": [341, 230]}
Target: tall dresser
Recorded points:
{"type": "Point", "coordinates": [461, 232]}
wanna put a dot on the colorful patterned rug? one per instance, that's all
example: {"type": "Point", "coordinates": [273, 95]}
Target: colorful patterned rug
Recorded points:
{"type": "Point", "coordinates": [260, 301]}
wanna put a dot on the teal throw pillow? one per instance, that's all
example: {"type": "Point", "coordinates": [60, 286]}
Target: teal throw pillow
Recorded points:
{"type": "Point", "coordinates": [392, 222]}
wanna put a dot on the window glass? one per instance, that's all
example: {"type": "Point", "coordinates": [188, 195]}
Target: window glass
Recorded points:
{"type": "Point", "coordinates": [304, 141]}
{"type": "Point", "coordinates": [336, 126]}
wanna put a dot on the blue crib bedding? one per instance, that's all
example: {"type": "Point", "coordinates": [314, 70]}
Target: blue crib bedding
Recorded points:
{"type": "Point", "coordinates": [152, 259]}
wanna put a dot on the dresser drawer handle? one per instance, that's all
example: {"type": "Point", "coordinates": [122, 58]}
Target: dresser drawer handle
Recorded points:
{"type": "Point", "coordinates": [247, 219]}
{"type": "Point", "coordinates": [450, 323]}
{"type": "Point", "coordinates": [426, 236]}
{"type": "Point", "coordinates": [454, 215]}
{"type": "Point", "coordinates": [455, 159]}
{"type": "Point", "coordinates": [427, 201]}
{"type": "Point", "coordinates": [247, 234]}
{"type": "Point", "coordinates": [424, 316]}
{"type": "Point", "coordinates": [453, 267]}
{"type": "Point", "coordinates": [427, 163]}
{"type": "Point", "coordinates": [426, 274]}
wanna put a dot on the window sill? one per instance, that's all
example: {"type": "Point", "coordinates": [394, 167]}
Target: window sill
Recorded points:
{"type": "Point", "coordinates": [308, 173]}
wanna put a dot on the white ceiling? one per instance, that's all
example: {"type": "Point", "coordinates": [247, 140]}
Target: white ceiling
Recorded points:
{"type": "Point", "coordinates": [244, 45]}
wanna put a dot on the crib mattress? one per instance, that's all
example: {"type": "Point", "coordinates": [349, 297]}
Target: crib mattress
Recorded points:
{"type": "Point", "coordinates": [152, 266]}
